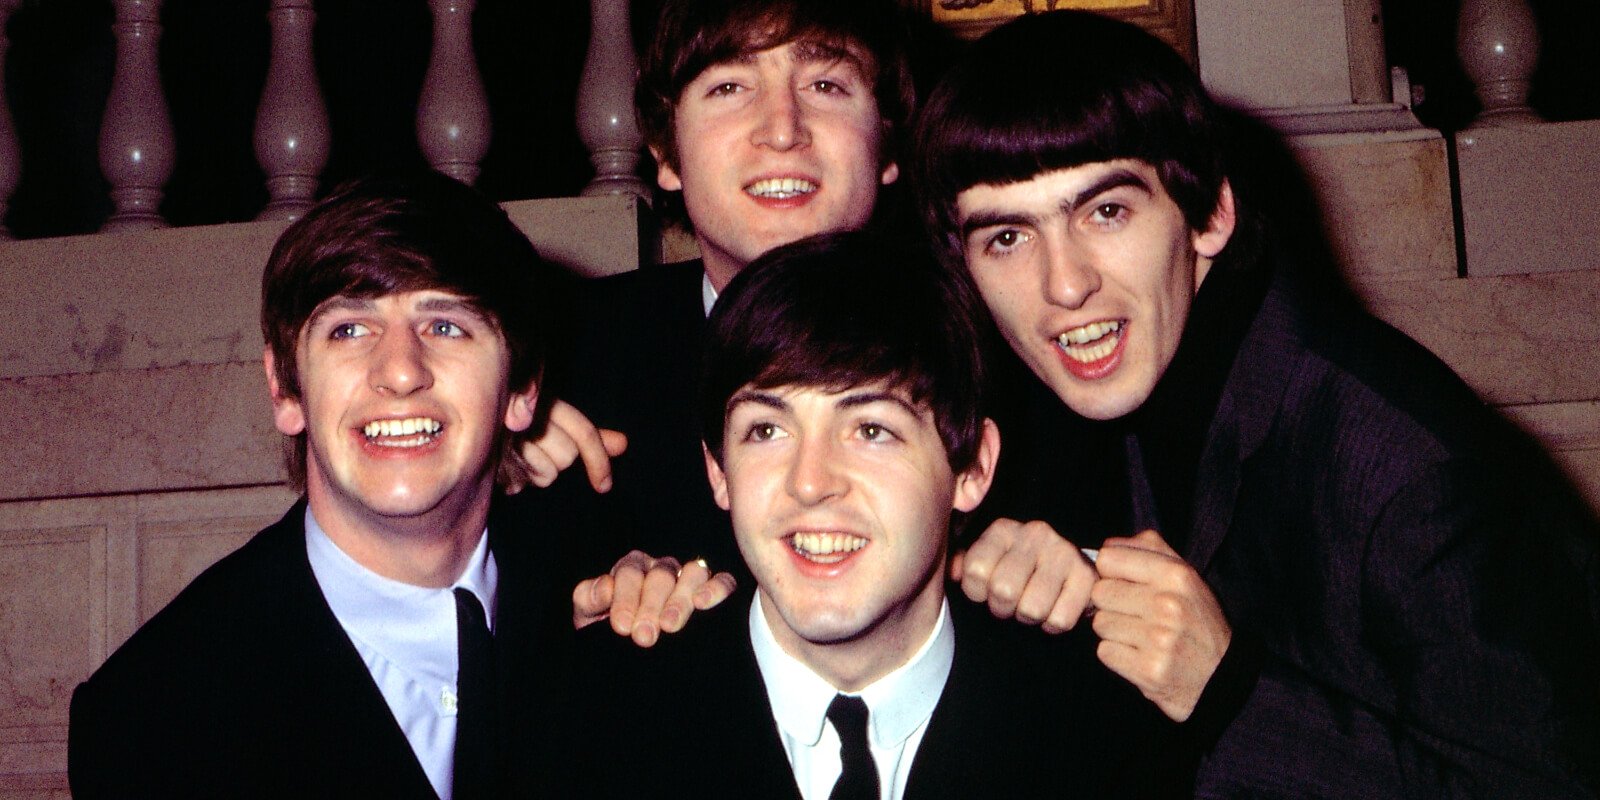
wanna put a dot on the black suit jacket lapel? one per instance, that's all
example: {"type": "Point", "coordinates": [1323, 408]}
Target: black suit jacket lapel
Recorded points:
{"type": "Point", "coordinates": [1250, 403]}
{"type": "Point", "coordinates": [329, 698]}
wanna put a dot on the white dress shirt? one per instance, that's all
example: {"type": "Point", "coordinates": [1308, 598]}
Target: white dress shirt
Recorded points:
{"type": "Point", "coordinates": [708, 293]}
{"type": "Point", "coordinates": [899, 705]}
{"type": "Point", "coordinates": [407, 637]}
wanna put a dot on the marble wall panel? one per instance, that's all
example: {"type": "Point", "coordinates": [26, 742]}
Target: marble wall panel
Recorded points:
{"type": "Point", "coordinates": [1274, 53]}
{"type": "Point", "coordinates": [187, 427]}
{"type": "Point", "coordinates": [77, 576]}
{"type": "Point", "coordinates": [591, 236]}
{"type": "Point", "coordinates": [172, 554]}
{"type": "Point", "coordinates": [1530, 197]}
{"type": "Point", "coordinates": [133, 300]}
{"type": "Point", "coordinates": [1516, 339]}
{"type": "Point", "coordinates": [1385, 201]}
{"type": "Point", "coordinates": [50, 610]}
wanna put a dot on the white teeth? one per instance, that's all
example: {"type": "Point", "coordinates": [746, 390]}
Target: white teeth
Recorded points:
{"type": "Point", "coordinates": [1089, 343]}
{"type": "Point", "coordinates": [826, 547]}
{"type": "Point", "coordinates": [781, 188]}
{"type": "Point", "coordinates": [421, 429]}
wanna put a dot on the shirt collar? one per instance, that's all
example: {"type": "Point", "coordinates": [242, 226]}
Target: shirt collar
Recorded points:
{"type": "Point", "coordinates": [708, 293]}
{"type": "Point", "coordinates": [898, 702]}
{"type": "Point", "coordinates": [400, 621]}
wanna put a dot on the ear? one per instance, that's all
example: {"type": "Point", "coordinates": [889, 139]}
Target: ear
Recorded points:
{"type": "Point", "coordinates": [719, 480]}
{"type": "Point", "coordinates": [666, 177]}
{"type": "Point", "coordinates": [891, 173]}
{"type": "Point", "coordinates": [519, 411]}
{"type": "Point", "coordinates": [288, 416]}
{"type": "Point", "coordinates": [1209, 242]}
{"type": "Point", "coordinates": [973, 484]}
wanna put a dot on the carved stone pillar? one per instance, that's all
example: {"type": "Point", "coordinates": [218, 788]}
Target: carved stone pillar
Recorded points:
{"type": "Point", "coordinates": [453, 114]}
{"type": "Point", "coordinates": [291, 135]}
{"type": "Point", "coordinates": [1498, 43]}
{"type": "Point", "coordinates": [136, 134]}
{"type": "Point", "coordinates": [10, 151]}
{"type": "Point", "coordinates": [605, 102]}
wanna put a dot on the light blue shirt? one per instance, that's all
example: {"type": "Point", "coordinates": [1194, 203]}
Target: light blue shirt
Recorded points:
{"type": "Point", "coordinates": [708, 293]}
{"type": "Point", "coordinates": [899, 705]}
{"type": "Point", "coordinates": [407, 637]}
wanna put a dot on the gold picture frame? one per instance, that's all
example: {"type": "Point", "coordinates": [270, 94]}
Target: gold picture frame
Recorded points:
{"type": "Point", "coordinates": [1171, 20]}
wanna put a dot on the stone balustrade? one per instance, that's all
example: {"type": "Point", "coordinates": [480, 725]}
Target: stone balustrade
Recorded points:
{"type": "Point", "coordinates": [292, 137]}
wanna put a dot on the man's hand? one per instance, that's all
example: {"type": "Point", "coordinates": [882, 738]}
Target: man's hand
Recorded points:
{"type": "Point", "coordinates": [1026, 571]}
{"type": "Point", "coordinates": [1159, 624]}
{"type": "Point", "coordinates": [646, 596]}
{"type": "Point", "coordinates": [570, 436]}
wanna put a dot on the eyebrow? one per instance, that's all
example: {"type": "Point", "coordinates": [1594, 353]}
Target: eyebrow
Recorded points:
{"type": "Point", "coordinates": [858, 399]}
{"type": "Point", "coordinates": [338, 304]}
{"type": "Point", "coordinates": [1112, 180]}
{"type": "Point", "coordinates": [364, 304]}
{"type": "Point", "coordinates": [852, 400]}
{"type": "Point", "coordinates": [767, 399]}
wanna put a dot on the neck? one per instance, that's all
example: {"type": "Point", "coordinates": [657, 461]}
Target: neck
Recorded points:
{"type": "Point", "coordinates": [853, 664]}
{"type": "Point", "coordinates": [429, 549]}
{"type": "Point", "coordinates": [719, 268]}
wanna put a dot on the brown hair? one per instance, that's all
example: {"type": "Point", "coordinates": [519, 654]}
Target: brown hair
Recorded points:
{"type": "Point", "coordinates": [380, 236]}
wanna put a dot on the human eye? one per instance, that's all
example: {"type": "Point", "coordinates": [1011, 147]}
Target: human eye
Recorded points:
{"type": "Point", "coordinates": [876, 432]}
{"type": "Point", "coordinates": [348, 330]}
{"type": "Point", "coordinates": [446, 329]}
{"type": "Point", "coordinates": [1004, 241]}
{"type": "Point", "coordinates": [723, 89]}
{"type": "Point", "coordinates": [763, 432]}
{"type": "Point", "coordinates": [830, 86]}
{"type": "Point", "coordinates": [1109, 214]}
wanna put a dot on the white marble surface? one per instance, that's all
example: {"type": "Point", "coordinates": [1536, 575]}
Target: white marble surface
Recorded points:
{"type": "Point", "coordinates": [1530, 197]}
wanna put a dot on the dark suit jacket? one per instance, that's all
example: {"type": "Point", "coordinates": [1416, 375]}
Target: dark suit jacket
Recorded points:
{"type": "Point", "coordinates": [1397, 561]}
{"type": "Point", "coordinates": [247, 686]}
{"type": "Point", "coordinates": [633, 365]}
{"type": "Point", "coordinates": [1407, 567]}
{"type": "Point", "coordinates": [1023, 715]}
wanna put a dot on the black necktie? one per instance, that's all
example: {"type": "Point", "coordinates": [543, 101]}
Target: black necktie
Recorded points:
{"type": "Point", "coordinates": [859, 780]}
{"type": "Point", "coordinates": [475, 706]}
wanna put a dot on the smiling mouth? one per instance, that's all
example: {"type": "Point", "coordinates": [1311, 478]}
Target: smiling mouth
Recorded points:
{"type": "Point", "coordinates": [409, 432]}
{"type": "Point", "coordinates": [780, 188]}
{"type": "Point", "coordinates": [1087, 344]}
{"type": "Point", "coordinates": [825, 548]}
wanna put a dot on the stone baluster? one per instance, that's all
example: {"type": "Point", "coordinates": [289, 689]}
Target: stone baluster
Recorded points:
{"type": "Point", "coordinates": [136, 134]}
{"type": "Point", "coordinates": [1498, 43]}
{"type": "Point", "coordinates": [10, 151]}
{"type": "Point", "coordinates": [605, 102]}
{"type": "Point", "coordinates": [291, 135]}
{"type": "Point", "coordinates": [453, 114]}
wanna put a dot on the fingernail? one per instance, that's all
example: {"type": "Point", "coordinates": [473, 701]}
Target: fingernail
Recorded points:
{"type": "Point", "coordinates": [646, 634]}
{"type": "Point", "coordinates": [605, 485]}
{"type": "Point", "coordinates": [670, 616]}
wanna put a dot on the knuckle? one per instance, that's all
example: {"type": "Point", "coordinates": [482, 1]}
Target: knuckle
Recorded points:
{"type": "Point", "coordinates": [1168, 609]}
{"type": "Point", "coordinates": [1005, 590]}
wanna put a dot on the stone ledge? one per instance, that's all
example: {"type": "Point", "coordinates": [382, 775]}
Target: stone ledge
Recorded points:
{"type": "Point", "coordinates": [1515, 339]}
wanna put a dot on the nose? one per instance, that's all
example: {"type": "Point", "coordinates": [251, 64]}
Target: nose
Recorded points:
{"type": "Point", "coordinates": [399, 364]}
{"type": "Point", "coordinates": [813, 475]}
{"type": "Point", "coordinates": [1070, 276]}
{"type": "Point", "coordinates": [782, 123]}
